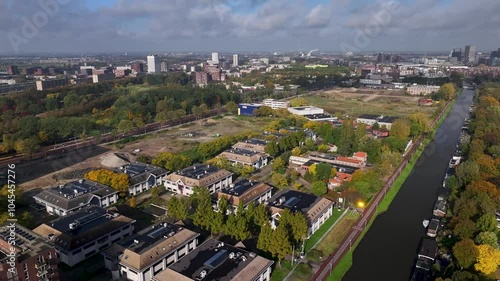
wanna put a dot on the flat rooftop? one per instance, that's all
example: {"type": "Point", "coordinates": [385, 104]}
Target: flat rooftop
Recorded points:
{"type": "Point", "coordinates": [294, 200]}
{"type": "Point", "coordinates": [218, 261]}
{"type": "Point", "coordinates": [198, 171]}
{"type": "Point", "coordinates": [27, 243]}
{"type": "Point", "coordinates": [369, 116]}
{"type": "Point", "coordinates": [87, 218]}
{"type": "Point", "coordinates": [387, 119]}
{"type": "Point", "coordinates": [256, 141]}
{"type": "Point", "coordinates": [319, 116]}
{"type": "Point", "coordinates": [78, 188]}
{"type": "Point", "coordinates": [340, 168]}
{"type": "Point", "coordinates": [240, 187]}
{"type": "Point", "coordinates": [137, 168]}
{"type": "Point", "coordinates": [242, 152]}
{"type": "Point", "coordinates": [149, 237]}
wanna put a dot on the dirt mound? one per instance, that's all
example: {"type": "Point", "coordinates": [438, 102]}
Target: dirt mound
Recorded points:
{"type": "Point", "coordinates": [115, 160]}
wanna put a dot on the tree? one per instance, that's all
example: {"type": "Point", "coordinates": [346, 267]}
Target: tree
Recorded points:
{"type": "Point", "coordinates": [448, 90]}
{"type": "Point", "coordinates": [347, 135]}
{"type": "Point", "coordinates": [278, 165]}
{"type": "Point", "coordinates": [323, 171]}
{"type": "Point", "coordinates": [298, 102]}
{"type": "Point", "coordinates": [464, 276]}
{"type": "Point", "coordinates": [177, 209]}
{"type": "Point", "coordinates": [27, 146]}
{"type": "Point", "coordinates": [125, 126]}
{"type": "Point", "coordinates": [265, 237]}
{"type": "Point", "coordinates": [466, 252]}
{"type": "Point", "coordinates": [132, 202]}
{"type": "Point", "coordinates": [400, 129]}
{"type": "Point", "coordinates": [465, 229]}
{"type": "Point", "coordinates": [272, 148]}
{"type": "Point", "coordinates": [296, 151]}
{"type": "Point", "coordinates": [488, 259]}
{"type": "Point", "coordinates": [261, 215]}
{"type": "Point", "coordinates": [319, 188]}
{"type": "Point", "coordinates": [487, 238]}
{"type": "Point", "coordinates": [279, 245]}
{"type": "Point", "coordinates": [487, 222]}
{"type": "Point", "coordinates": [419, 123]}
{"type": "Point", "coordinates": [323, 148]}
{"type": "Point", "coordinates": [279, 180]}
{"type": "Point", "coordinates": [360, 134]}
{"type": "Point", "coordinates": [155, 192]}
{"type": "Point", "coordinates": [231, 107]}
{"type": "Point", "coordinates": [467, 172]}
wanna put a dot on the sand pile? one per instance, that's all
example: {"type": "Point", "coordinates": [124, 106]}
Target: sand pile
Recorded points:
{"type": "Point", "coordinates": [114, 160]}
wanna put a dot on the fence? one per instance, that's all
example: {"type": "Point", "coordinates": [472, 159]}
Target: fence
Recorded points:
{"type": "Point", "coordinates": [327, 266]}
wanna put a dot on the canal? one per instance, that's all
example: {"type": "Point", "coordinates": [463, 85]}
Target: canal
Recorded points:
{"type": "Point", "coordinates": [389, 249]}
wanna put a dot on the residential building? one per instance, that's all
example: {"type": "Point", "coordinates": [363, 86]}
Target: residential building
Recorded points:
{"type": "Point", "coordinates": [86, 70]}
{"type": "Point", "coordinates": [339, 179]}
{"type": "Point", "coordinates": [245, 157]}
{"type": "Point", "coordinates": [368, 119]}
{"type": "Point", "coordinates": [142, 176]}
{"type": "Point", "coordinates": [274, 104]}
{"type": "Point", "coordinates": [421, 90]}
{"type": "Point", "coordinates": [215, 260]}
{"type": "Point", "coordinates": [315, 209]}
{"type": "Point", "coordinates": [301, 164]}
{"type": "Point", "coordinates": [215, 58]}
{"type": "Point", "coordinates": [67, 198]}
{"type": "Point", "coordinates": [236, 59]}
{"type": "Point", "coordinates": [256, 145]}
{"type": "Point", "coordinates": [306, 110]}
{"type": "Point", "coordinates": [321, 117]}
{"type": "Point", "coordinates": [142, 256]}
{"type": "Point", "coordinates": [12, 70]}
{"type": "Point", "coordinates": [200, 175]}
{"type": "Point", "coordinates": [370, 81]}
{"type": "Point", "coordinates": [386, 121]}
{"type": "Point", "coordinates": [85, 233]}
{"type": "Point", "coordinates": [470, 54]}
{"type": "Point", "coordinates": [245, 192]}
{"type": "Point", "coordinates": [34, 259]}
{"type": "Point", "coordinates": [122, 71]}
{"type": "Point", "coordinates": [202, 78]}
{"type": "Point", "coordinates": [137, 67]}
{"type": "Point", "coordinates": [163, 67]}
{"type": "Point", "coordinates": [153, 64]}
{"type": "Point", "coordinates": [97, 78]}
{"type": "Point", "coordinates": [248, 109]}
{"type": "Point", "coordinates": [42, 85]}
{"type": "Point", "coordinates": [495, 58]}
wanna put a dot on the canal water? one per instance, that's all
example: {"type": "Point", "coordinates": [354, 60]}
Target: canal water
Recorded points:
{"type": "Point", "coordinates": [389, 249]}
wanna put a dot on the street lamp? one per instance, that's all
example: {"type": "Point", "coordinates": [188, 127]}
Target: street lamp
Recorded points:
{"type": "Point", "coordinates": [361, 204]}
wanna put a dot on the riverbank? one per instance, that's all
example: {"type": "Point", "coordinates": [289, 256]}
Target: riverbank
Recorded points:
{"type": "Point", "coordinates": [346, 261]}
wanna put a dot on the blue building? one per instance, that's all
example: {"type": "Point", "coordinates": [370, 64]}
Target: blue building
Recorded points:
{"type": "Point", "coordinates": [247, 108]}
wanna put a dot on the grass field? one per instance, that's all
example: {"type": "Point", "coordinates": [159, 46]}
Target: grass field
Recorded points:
{"type": "Point", "coordinates": [355, 103]}
{"type": "Point", "coordinates": [332, 241]}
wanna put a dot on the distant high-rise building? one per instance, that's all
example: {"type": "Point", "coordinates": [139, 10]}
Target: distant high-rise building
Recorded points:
{"type": "Point", "coordinates": [215, 58]}
{"type": "Point", "coordinates": [470, 54]}
{"type": "Point", "coordinates": [202, 78]}
{"type": "Point", "coordinates": [12, 70]}
{"type": "Point", "coordinates": [137, 67]}
{"type": "Point", "coordinates": [495, 57]}
{"type": "Point", "coordinates": [457, 53]}
{"type": "Point", "coordinates": [164, 67]}
{"type": "Point", "coordinates": [236, 59]}
{"type": "Point", "coordinates": [153, 64]}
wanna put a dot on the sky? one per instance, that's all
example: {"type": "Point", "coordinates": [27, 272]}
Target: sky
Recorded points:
{"type": "Point", "coordinates": [93, 26]}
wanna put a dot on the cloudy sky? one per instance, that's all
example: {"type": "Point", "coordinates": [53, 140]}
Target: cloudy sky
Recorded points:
{"type": "Point", "coordinates": [73, 26]}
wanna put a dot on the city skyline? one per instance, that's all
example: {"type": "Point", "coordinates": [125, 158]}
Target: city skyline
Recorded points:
{"type": "Point", "coordinates": [75, 26]}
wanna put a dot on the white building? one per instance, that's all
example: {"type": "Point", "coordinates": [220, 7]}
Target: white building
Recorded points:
{"type": "Point", "coordinates": [85, 233]}
{"type": "Point", "coordinates": [417, 90]}
{"type": "Point", "coordinates": [215, 58]}
{"type": "Point", "coordinates": [316, 209]}
{"type": "Point", "coordinates": [306, 110]}
{"type": "Point", "coordinates": [236, 59]}
{"type": "Point", "coordinates": [470, 54]}
{"type": "Point", "coordinates": [370, 81]}
{"type": "Point", "coordinates": [274, 104]}
{"type": "Point", "coordinates": [142, 256]}
{"type": "Point", "coordinates": [67, 198]}
{"type": "Point", "coordinates": [215, 260]}
{"type": "Point", "coordinates": [142, 176]}
{"type": "Point", "coordinates": [200, 175]}
{"type": "Point", "coordinates": [154, 65]}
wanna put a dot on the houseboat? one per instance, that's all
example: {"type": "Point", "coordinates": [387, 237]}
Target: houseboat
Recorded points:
{"type": "Point", "coordinates": [433, 228]}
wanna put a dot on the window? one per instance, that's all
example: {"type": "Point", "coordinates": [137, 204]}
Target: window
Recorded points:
{"type": "Point", "coordinates": [115, 232]}
{"type": "Point", "coordinates": [103, 247]}
{"type": "Point", "coordinates": [89, 245]}
{"type": "Point", "coordinates": [77, 251]}
{"type": "Point", "coordinates": [89, 254]}
{"type": "Point", "coordinates": [102, 240]}
{"type": "Point", "coordinates": [26, 275]}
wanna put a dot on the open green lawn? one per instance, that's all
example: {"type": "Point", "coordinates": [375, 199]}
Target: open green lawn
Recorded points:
{"type": "Point", "coordinates": [322, 230]}
{"type": "Point", "coordinates": [339, 231]}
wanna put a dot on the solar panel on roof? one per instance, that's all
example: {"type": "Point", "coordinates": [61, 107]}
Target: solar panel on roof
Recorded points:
{"type": "Point", "coordinates": [217, 259]}
{"type": "Point", "coordinates": [291, 202]}
{"type": "Point", "coordinates": [159, 232]}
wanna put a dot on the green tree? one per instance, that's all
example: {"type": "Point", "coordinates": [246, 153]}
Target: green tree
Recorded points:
{"type": "Point", "coordinates": [319, 188]}
{"type": "Point", "coordinates": [465, 251]}
{"type": "Point", "coordinates": [464, 276]}
{"type": "Point", "coordinates": [279, 245]}
{"type": "Point", "coordinates": [487, 222]}
{"type": "Point", "coordinates": [279, 180]}
{"type": "Point", "coordinates": [298, 102]}
{"type": "Point", "coordinates": [278, 165]}
{"type": "Point", "coordinates": [487, 238]}
{"type": "Point", "coordinates": [347, 135]}
{"type": "Point", "coordinates": [265, 237]}
{"type": "Point", "coordinates": [465, 229]}
{"type": "Point", "coordinates": [231, 107]}
{"type": "Point", "coordinates": [400, 129]}
{"type": "Point", "coordinates": [467, 172]}
{"type": "Point", "coordinates": [261, 215]}
{"type": "Point", "coordinates": [132, 202]}
{"type": "Point", "coordinates": [323, 171]}
{"type": "Point", "coordinates": [178, 209]}
{"type": "Point", "coordinates": [272, 149]}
